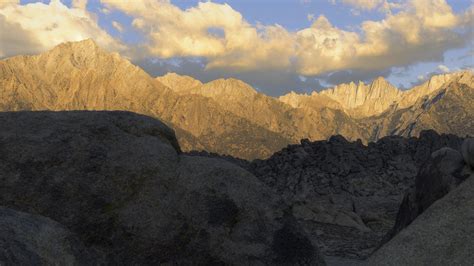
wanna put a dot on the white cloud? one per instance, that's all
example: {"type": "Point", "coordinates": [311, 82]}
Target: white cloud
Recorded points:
{"type": "Point", "coordinates": [443, 68]}
{"type": "Point", "coordinates": [367, 5]}
{"type": "Point", "coordinates": [4, 3]}
{"type": "Point", "coordinates": [422, 30]}
{"type": "Point", "coordinates": [80, 4]}
{"type": "Point", "coordinates": [174, 32]}
{"type": "Point", "coordinates": [355, 12]}
{"type": "Point", "coordinates": [105, 11]}
{"type": "Point", "coordinates": [43, 26]}
{"type": "Point", "coordinates": [117, 26]}
{"type": "Point", "coordinates": [364, 4]}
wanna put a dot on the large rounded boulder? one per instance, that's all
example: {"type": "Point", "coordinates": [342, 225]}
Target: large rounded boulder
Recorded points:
{"type": "Point", "coordinates": [27, 239]}
{"type": "Point", "coordinates": [119, 182]}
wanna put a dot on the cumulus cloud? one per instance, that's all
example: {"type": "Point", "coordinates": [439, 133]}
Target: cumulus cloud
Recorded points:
{"type": "Point", "coordinates": [81, 4]}
{"type": "Point", "coordinates": [117, 26]}
{"type": "Point", "coordinates": [367, 5]}
{"type": "Point", "coordinates": [443, 68]}
{"type": "Point", "coordinates": [174, 32]}
{"type": "Point", "coordinates": [5, 3]}
{"type": "Point", "coordinates": [411, 31]}
{"type": "Point", "coordinates": [37, 27]}
{"type": "Point", "coordinates": [364, 4]}
{"type": "Point", "coordinates": [420, 31]}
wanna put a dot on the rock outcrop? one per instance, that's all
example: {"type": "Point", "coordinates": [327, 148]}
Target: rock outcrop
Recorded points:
{"type": "Point", "coordinates": [445, 170]}
{"type": "Point", "coordinates": [345, 193]}
{"type": "Point", "coordinates": [364, 100]}
{"type": "Point", "coordinates": [27, 239]}
{"type": "Point", "coordinates": [119, 182]}
{"type": "Point", "coordinates": [348, 194]}
{"type": "Point", "coordinates": [442, 235]}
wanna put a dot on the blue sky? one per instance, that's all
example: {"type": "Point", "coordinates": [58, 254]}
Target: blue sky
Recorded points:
{"type": "Point", "coordinates": [294, 16]}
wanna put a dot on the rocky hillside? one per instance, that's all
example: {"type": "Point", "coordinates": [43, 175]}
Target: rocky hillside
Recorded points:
{"type": "Point", "coordinates": [114, 188]}
{"type": "Point", "coordinates": [434, 224]}
{"type": "Point", "coordinates": [228, 116]}
{"type": "Point", "coordinates": [345, 193]}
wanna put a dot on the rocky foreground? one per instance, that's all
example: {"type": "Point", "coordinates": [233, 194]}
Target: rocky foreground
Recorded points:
{"type": "Point", "coordinates": [84, 188]}
{"type": "Point", "coordinates": [347, 195]}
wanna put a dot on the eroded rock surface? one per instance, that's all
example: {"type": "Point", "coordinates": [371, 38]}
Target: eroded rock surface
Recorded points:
{"type": "Point", "coordinates": [442, 235]}
{"type": "Point", "coordinates": [347, 195]}
{"type": "Point", "coordinates": [118, 181]}
{"type": "Point", "coordinates": [27, 239]}
{"type": "Point", "coordinates": [443, 172]}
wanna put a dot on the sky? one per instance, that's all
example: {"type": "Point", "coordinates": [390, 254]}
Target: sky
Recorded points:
{"type": "Point", "coordinates": [277, 46]}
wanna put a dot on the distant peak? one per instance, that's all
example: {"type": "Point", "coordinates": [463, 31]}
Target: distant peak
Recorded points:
{"type": "Point", "coordinates": [231, 82]}
{"type": "Point", "coordinates": [383, 84]}
{"type": "Point", "coordinates": [86, 46]}
{"type": "Point", "coordinates": [380, 80]}
{"type": "Point", "coordinates": [171, 74]}
{"type": "Point", "coordinates": [230, 86]}
{"type": "Point", "coordinates": [86, 43]}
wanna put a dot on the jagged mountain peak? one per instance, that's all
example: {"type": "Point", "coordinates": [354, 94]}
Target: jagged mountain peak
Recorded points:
{"type": "Point", "coordinates": [382, 82]}
{"type": "Point", "coordinates": [433, 84]}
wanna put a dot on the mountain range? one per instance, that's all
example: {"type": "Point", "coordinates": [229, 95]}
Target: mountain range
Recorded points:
{"type": "Point", "coordinates": [228, 116]}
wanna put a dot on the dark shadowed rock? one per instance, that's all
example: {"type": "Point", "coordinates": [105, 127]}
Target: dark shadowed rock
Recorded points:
{"type": "Point", "coordinates": [442, 235]}
{"type": "Point", "coordinates": [445, 170]}
{"type": "Point", "coordinates": [118, 181]}
{"type": "Point", "coordinates": [348, 194]}
{"type": "Point", "coordinates": [27, 239]}
{"type": "Point", "coordinates": [468, 152]}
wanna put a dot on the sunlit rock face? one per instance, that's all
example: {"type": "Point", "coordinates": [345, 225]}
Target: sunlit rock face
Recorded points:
{"type": "Point", "coordinates": [228, 116]}
{"type": "Point", "coordinates": [180, 84]}
{"type": "Point", "coordinates": [365, 100]}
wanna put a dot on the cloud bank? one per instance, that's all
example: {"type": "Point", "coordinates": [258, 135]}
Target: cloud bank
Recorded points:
{"type": "Point", "coordinates": [36, 27]}
{"type": "Point", "coordinates": [223, 41]}
{"type": "Point", "coordinates": [421, 30]}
